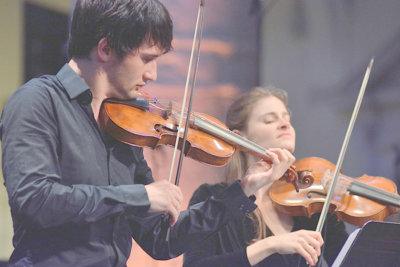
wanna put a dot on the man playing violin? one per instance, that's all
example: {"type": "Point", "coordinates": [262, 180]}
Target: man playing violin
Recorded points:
{"type": "Point", "coordinates": [78, 196]}
{"type": "Point", "coordinates": [267, 237]}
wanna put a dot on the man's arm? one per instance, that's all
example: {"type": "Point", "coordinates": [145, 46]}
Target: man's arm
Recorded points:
{"type": "Point", "coordinates": [32, 172]}
{"type": "Point", "coordinates": [193, 225]}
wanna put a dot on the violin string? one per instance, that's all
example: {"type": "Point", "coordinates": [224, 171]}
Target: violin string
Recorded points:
{"type": "Point", "coordinates": [341, 185]}
{"type": "Point", "coordinates": [230, 137]}
{"type": "Point", "coordinates": [350, 185]}
{"type": "Point", "coordinates": [226, 135]}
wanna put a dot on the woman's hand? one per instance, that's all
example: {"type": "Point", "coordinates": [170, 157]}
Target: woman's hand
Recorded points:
{"type": "Point", "coordinates": [304, 242]}
{"type": "Point", "coordinates": [263, 173]}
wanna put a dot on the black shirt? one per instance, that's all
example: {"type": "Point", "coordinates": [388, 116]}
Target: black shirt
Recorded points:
{"type": "Point", "coordinates": [76, 198]}
{"type": "Point", "coordinates": [227, 247]}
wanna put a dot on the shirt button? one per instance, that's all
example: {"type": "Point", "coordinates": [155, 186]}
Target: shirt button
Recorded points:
{"type": "Point", "coordinates": [86, 97]}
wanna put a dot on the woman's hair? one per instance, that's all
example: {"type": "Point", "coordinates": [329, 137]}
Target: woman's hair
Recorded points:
{"type": "Point", "coordinates": [126, 24]}
{"type": "Point", "coordinates": [237, 118]}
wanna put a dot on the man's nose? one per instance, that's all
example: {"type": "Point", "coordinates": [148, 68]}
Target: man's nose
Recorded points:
{"type": "Point", "coordinates": [150, 74]}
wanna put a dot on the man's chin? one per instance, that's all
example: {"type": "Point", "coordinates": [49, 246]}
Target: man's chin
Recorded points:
{"type": "Point", "coordinates": [135, 94]}
{"type": "Point", "coordinates": [129, 95]}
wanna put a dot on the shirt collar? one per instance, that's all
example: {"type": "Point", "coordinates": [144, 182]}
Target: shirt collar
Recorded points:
{"type": "Point", "coordinates": [72, 82]}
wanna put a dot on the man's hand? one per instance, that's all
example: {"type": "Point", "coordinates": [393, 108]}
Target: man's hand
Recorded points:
{"type": "Point", "coordinates": [263, 173]}
{"type": "Point", "coordinates": [165, 197]}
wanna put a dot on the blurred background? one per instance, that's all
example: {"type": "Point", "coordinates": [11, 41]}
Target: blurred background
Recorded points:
{"type": "Point", "coordinates": [316, 50]}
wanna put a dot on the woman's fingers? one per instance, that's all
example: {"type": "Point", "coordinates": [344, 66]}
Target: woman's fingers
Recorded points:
{"type": "Point", "coordinates": [304, 242]}
{"type": "Point", "coordinates": [264, 173]}
{"type": "Point", "coordinates": [311, 243]}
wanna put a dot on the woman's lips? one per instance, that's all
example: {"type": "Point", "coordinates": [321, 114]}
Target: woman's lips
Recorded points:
{"type": "Point", "coordinates": [284, 135]}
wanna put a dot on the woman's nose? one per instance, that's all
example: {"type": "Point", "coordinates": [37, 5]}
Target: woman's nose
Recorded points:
{"type": "Point", "coordinates": [284, 123]}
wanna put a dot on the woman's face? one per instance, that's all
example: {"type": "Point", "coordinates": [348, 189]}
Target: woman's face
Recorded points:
{"type": "Point", "coordinates": [269, 125]}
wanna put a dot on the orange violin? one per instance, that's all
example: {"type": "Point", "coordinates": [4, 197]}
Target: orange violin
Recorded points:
{"type": "Point", "coordinates": [143, 122]}
{"type": "Point", "coordinates": [355, 200]}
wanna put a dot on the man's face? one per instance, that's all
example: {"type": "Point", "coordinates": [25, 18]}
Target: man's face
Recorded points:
{"type": "Point", "coordinates": [128, 75]}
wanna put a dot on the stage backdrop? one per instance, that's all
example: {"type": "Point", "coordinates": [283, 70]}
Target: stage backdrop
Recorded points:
{"type": "Point", "coordinates": [318, 51]}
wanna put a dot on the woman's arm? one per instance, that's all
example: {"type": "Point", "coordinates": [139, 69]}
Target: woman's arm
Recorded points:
{"type": "Point", "coordinates": [208, 253]}
{"type": "Point", "coordinates": [306, 243]}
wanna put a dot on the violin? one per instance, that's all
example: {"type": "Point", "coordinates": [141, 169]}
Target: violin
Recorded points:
{"type": "Point", "coordinates": [144, 122]}
{"type": "Point", "coordinates": [150, 125]}
{"type": "Point", "coordinates": [355, 200]}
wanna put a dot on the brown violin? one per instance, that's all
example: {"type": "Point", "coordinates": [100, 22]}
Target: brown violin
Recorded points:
{"type": "Point", "coordinates": [355, 200]}
{"type": "Point", "coordinates": [144, 122]}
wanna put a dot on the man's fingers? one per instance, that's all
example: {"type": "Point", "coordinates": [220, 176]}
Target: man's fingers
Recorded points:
{"type": "Point", "coordinates": [165, 197]}
{"type": "Point", "coordinates": [174, 214]}
{"type": "Point", "coordinates": [283, 155]}
{"type": "Point", "coordinates": [273, 155]}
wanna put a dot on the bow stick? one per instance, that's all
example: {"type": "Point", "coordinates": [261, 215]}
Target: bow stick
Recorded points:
{"type": "Point", "coordinates": [200, 18]}
{"type": "Point", "coordinates": [344, 147]}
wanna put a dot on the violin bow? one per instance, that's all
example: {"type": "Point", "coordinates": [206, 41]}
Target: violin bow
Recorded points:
{"type": "Point", "coordinates": [200, 20]}
{"type": "Point", "coordinates": [344, 147]}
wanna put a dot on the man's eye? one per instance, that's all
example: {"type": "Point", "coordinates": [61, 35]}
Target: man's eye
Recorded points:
{"type": "Point", "coordinates": [147, 59]}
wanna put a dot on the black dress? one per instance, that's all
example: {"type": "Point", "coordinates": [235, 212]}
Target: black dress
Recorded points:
{"type": "Point", "coordinates": [228, 246]}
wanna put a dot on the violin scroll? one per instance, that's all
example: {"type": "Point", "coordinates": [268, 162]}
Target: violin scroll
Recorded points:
{"type": "Point", "coordinates": [306, 179]}
{"type": "Point", "coordinates": [299, 179]}
{"type": "Point", "coordinates": [291, 177]}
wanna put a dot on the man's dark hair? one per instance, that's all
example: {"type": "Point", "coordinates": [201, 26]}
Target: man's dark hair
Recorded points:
{"type": "Point", "coordinates": [127, 24]}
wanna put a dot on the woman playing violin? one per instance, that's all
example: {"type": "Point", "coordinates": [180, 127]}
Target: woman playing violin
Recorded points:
{"type": "Point", "coordinates": [266, 237]}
